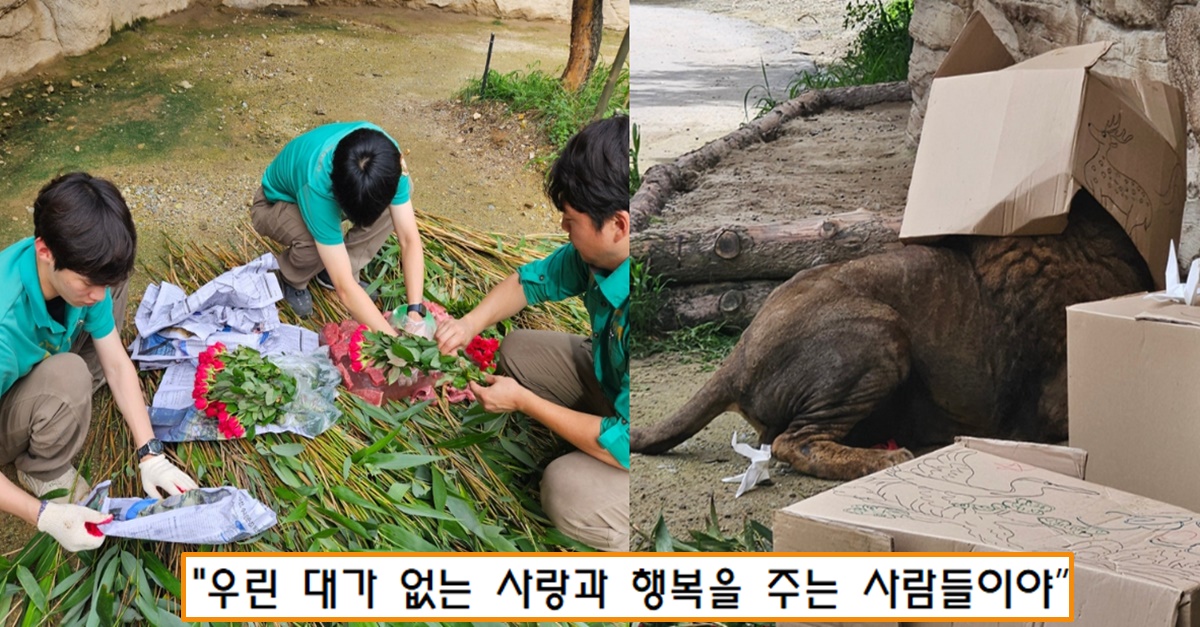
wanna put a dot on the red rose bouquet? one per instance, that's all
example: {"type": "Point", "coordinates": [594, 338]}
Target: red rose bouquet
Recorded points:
{"type": "Point", "coordinates": [408, 355]}
{"type": "Point", "coordinates": [240, 389]}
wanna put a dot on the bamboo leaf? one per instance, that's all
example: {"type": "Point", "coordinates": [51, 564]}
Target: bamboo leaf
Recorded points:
{"type": "Point", "coordinates": [297, 513]}
{"type": "Point", "coordinates": [400, 461]}
{"type": "Point", "coordinates": [32, 588]}
{"type": "Point", "coordinates": [66, 584]}
{"type": "Point", "coordinates": [164, 577]}
{"type": "Point", "coordinates": [288, 450]}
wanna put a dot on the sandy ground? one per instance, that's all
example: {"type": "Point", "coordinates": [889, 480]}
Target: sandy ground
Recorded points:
{"type": "Point", "coordinates": [254, 80]}
{"type": "Point", "coordinates": [689, 90]}
{"type": "Point", "coordinates": [833, 162]}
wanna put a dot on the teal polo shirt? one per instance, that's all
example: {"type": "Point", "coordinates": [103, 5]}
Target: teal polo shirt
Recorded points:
{"type": "Point", "coordinates": [606, 297]}
{"type": "Point", "coordinates": [28, 334]}
{"type": "Point", "coordinates": [300, 174]}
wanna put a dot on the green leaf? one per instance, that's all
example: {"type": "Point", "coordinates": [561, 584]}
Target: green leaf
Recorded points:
{"type": "Point", "coordinates": [463, 441]}
{"type": "Point", "coordinates": [663, 542]}
{"type": "Point", "coordinates": [297, 513]}
{"type": "Point", "coordinates": [288, 450]}
{"type": "Point", "coordinates": [104, 607]}
{"type": "Point", "coordinates": [164, 577]}
{"type": "Point", "coordinates": [400, 461]}
{"type": "Point", "coordinates": [66, 584]}
{"type": "Point", "coordinates": [347, 522]}
{"type": "Point", "coordinates": [517, 452]}
{"type": "Point", "coordinates": [424, 511]}
{"type": "Point", "coordinates": [397, 491]}
{"type": "Point", "coordinates": [438, 488]}
{"type": "Point", "coordinates": [348, 496]}
{"type": "Point", "coordinates": [465, 515]}
{"type": "Point", "coordinates": [346, 465]}
{"type": "Point", "coordinates": [406, 540]}
{"type": "Point", "coordinates": [32, 589]}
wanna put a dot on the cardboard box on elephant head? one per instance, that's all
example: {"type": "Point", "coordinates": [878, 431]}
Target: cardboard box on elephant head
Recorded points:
{"type": "Point", "coordinates": [1006, 146]}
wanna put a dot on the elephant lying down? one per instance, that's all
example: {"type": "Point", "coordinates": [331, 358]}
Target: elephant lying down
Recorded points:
{"type": "Point", "coordinates": [965, 337]}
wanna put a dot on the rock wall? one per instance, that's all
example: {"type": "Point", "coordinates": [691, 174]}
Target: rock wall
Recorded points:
{"type": "Point", "coordinates": [33, 32]}
{"type": "Point", "coordinates": [1158, 39]}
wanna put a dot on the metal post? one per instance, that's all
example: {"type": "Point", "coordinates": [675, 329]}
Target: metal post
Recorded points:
{"type": "Point", "coordinates": [486, 65]}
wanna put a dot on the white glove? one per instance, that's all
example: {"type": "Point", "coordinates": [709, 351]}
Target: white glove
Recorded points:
{"type": "Point", "coordinates": [66, 523]}
{"type": "Point", "coordinates": [158, 472]}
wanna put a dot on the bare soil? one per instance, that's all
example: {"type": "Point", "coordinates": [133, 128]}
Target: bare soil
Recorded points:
{"type": "Point", "coordinates": [834, 162]}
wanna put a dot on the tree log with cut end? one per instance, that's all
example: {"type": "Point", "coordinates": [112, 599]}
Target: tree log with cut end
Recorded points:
{"type": "Point", "coordinates": [734, 304]}
{"type": "Point", "coordinates": [665, 179]}
{"type": "Point", "coordinates": [763, 251]}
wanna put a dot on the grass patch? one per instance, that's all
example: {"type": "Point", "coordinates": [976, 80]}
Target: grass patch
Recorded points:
{"type": "Point", "coordinates": [707, 343]}
{"type": "Point", "coordinates": [559, 113]}
{"type": "Point", "coordinates": [879, 54]}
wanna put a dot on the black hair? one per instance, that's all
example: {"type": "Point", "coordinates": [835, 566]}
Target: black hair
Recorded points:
{"type": "Point", "coordinates": [87, 226]}
{"type": "Point", "coordinates": [366, 171]}
{"type": "Point", "coordinates": [592, 173]}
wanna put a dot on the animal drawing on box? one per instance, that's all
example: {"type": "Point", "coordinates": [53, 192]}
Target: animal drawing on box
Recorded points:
{"type": "Point", "coordinates": [920, 344]}
{"type": "Point", "coordinates": [947, 488]}
{"type": "Point", "coordinates": [1117, 190]}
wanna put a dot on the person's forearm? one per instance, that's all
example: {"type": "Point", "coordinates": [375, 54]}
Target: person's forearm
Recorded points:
{"type": "Point", "coordinates": [363, 309]}
{"type": "Point", "coordinates": [580, 429]}
{"type": "Point", "coordinates": [127, 392]}
{"type": "Point", "coordinates": [505, 300]}
{"type": "Point", "coordinates": [412, 261]}
{"type": "Point", "coordinates": [19, 503]}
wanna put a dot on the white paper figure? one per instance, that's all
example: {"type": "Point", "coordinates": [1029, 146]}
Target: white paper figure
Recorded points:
{"type": "Point", "coordinates": [1176, 290]}
{"type": "Point", "coordinates": [757, 472]}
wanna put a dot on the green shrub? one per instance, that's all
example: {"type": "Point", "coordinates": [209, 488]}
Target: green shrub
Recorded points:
{"type": "Point", "coordinates": [559, 113]}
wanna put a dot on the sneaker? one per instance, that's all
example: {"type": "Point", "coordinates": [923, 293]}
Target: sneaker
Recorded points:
{"type": "Point", "coordinates": [299, 300]}
{"type": "Point", "coordinates": [324, 281]}
{"type": "Point", "coordinates": [77, 488]}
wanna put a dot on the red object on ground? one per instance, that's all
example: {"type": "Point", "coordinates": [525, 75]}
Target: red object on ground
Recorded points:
{"type": "Point", "coordinates": [370, 383]}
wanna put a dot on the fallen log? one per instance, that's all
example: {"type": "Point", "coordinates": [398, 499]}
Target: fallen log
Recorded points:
{"type": "Point", "coordinates": [732, 304]}
{"type": "Point", "coordinates": [762, 251]}
{"type": "Point", "coordinates": [663, 180]}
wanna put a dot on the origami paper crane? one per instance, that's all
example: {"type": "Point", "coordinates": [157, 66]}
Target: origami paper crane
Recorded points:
{"type": "Point", "coordinates": [1176, 290]}
{"type": "Point", "coordinates": [757, 472]}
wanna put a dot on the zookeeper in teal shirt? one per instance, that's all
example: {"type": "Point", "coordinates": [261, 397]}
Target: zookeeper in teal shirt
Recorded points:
{"type": "Point", "coordinates": [577, 386]}
{"type": "Point", "coordinates": [344, 171]}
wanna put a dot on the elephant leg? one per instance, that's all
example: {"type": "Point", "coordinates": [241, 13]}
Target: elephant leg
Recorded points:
{"type": "Point", "coordinates": [815, 450]}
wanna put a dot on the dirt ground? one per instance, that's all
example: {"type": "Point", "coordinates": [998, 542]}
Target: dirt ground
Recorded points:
{"type": "Point", "coordinates": [831, 163]}
{"type": "Point", "coordinates": [183, 114]}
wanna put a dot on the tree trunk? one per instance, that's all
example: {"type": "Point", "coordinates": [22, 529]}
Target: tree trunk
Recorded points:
{"type": "Point", "coordinates": [665, 179]}
{"type": "Point", "coordinates": [587, 25]}
{"type": "Point", "coordinates": [762, 251]}
{"type": "Point", "coordinates": [734, 304]}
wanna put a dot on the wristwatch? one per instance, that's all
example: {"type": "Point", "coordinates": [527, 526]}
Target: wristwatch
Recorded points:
{"type": "Point", "coordinates": [153, 447]}
{"type": "Point", "coordinates": [419, 308]}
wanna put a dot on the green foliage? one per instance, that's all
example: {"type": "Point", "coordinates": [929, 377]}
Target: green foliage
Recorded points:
{"type": "Point", "coordinates": [754, 538]}
{"type": "Point", "coordinates": [635, 173]}
{"type": "Point", "coordinates": [560, 113]}
{"type": "Point", "coordinates": [645, 296]}
{"type": "Point", "coordinates": [708, 343]}
{"type": "Point", "coordinates": [879, 54]}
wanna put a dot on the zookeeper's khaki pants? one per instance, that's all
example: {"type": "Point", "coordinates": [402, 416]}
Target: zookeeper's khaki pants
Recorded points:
{"type": "Point", "coordinates": [584, 497]}
{"type": "Point", "coordinates": [44, 416]}
{"type": "Point", "coordinates": [299, 262]}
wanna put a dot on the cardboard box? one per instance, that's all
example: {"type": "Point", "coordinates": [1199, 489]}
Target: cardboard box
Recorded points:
{"type": "Point", "coordinates": [1133, 395]}
{"type": "Point", "coordinates": [1137, 561]}
{"type": "Point", "coordinates": [1005, 147]}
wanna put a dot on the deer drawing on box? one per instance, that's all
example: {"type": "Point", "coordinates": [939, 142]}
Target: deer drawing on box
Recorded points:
{"type": "Point", "coordinates": [1113, 188]}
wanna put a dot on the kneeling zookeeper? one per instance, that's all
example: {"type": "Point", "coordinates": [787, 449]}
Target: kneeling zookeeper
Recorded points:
{"type": "Point", "coordinates": [58, 343]}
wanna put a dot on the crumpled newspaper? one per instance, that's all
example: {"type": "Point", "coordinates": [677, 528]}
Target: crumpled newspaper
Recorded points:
{"type": "Point", "coordinates": [199, 516]}
{"type": "Point", "coordinates": [757, 473]}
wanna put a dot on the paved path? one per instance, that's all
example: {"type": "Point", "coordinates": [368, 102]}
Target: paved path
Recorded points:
{"type": "Point", "coordinates": [690, 73]}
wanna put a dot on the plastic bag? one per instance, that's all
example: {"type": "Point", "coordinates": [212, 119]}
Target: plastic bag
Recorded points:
{"type": "Point", "coordinates": [310, 413]}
